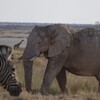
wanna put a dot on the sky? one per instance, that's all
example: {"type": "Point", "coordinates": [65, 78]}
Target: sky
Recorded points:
{"type": "Point", "coordinates": [50, 11]}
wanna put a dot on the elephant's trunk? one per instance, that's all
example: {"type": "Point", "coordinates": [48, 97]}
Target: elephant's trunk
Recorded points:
{"type": "Point", "coordinates": [28, 68]}
{"type": "Point", "coordinates": [28, 74]}
{"type": "Point", "coordinates": [29, 55]}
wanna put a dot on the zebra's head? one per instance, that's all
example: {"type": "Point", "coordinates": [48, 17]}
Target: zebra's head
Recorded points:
{"type": "Point", "coordinates": [8, 78]}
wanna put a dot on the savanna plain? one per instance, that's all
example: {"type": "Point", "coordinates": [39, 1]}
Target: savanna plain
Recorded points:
{"type": "Point", "coordinates": [79, 88]}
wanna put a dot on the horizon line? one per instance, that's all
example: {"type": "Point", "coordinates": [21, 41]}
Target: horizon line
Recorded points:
{"type": "Point", "coordinates": [44, 22]}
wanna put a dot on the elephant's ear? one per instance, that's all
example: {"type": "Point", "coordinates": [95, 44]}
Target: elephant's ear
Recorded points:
{"type": "Point", "coordinates": [59, 41]}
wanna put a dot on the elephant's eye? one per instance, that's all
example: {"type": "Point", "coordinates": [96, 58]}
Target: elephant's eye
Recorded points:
{"type": "Point", "coordinates": [39, 44]}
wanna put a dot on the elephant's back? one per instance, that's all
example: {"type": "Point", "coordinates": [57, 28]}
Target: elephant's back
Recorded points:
{"type": "Point", "coordinates": [85, 51]}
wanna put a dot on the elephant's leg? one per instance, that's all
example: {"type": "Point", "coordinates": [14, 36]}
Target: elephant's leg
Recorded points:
{"type": "Point", "coordinates": [61, 78]}
{"type": "Point", "coordinates": [53, 68]}
{"type": "Point", "coordinates": [28, 75]}
{"type": "Point", "coordinates": [98, 78]}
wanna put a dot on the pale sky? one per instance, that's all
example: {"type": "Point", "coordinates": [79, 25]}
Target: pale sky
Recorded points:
{"type": "Point", "coordinates": [50, 11]}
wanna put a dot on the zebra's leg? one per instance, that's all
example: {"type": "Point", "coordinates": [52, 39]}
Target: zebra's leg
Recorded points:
{"type": "Point", "coordinates": [61, 78]}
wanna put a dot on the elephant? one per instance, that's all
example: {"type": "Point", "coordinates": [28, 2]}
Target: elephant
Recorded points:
{"type": "Point", "coordinates": [78, 53]}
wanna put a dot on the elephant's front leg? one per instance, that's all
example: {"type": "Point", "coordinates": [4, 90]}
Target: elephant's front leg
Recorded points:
{"type": "Point", "coordinates": [62, 81]}
{"type": "Point", "coordinates": [53, 68]}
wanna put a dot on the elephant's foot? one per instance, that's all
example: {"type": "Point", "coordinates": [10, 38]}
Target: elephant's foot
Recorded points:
{"type": "Point", "coordinates": [99, 88]}
{"type": "Point", "coordinates": [32, 91]}
{"type": "Point", "coordinates": [44, 92]}
{"type": "Point", "coordinates": [65, 92]}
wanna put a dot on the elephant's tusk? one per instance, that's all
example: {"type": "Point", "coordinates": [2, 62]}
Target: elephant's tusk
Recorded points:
{"type": "Point", "coordinates": [32, 59]}
{"type": "Point", "coordinates": [9, 57]}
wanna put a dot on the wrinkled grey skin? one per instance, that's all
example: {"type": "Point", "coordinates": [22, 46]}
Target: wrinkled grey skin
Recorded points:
{"type": "Point", "coordinates": [79, 53]}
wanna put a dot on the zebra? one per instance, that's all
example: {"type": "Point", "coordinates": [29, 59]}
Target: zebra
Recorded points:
{"type": "Point", "coordinates": [8, 79]}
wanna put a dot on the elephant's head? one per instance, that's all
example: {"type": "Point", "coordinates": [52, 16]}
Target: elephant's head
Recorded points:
{"type": "Point", "coordinates": [52, 38]}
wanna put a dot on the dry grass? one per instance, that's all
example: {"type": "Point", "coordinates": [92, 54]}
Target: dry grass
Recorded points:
{"type": "Point", "coordinates": [14, 33]}
{"type": "Point", "coordinates": [80, 88]}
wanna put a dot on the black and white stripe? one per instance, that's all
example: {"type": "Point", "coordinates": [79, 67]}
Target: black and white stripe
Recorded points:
{"type": "Point", "coordinates": [7, 71]}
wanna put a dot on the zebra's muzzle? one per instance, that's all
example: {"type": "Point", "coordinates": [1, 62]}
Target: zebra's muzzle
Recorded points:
{"type": "Point", "coordinates": [15, 91]}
